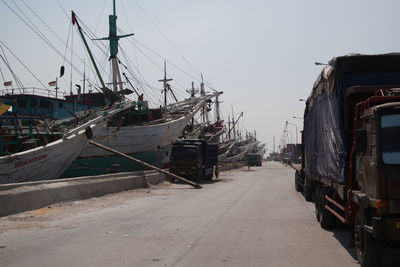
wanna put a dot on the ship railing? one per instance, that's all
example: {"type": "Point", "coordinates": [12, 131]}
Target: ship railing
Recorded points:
{"type": "Point", "coordinates": [32, 91]}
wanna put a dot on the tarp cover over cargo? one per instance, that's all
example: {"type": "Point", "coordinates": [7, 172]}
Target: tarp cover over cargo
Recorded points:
{"type": "Point", "coordinates": [326, 149]}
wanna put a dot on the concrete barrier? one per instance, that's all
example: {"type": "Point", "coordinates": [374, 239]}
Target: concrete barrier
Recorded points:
{"type": "Point", "coordinates": [21, 197]}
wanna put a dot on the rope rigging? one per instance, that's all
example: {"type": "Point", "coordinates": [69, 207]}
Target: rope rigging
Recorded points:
{"type": "Point", "coordinates": [2, 76]}
{"type": "Point", "coordinates": [42, 36]}
{"type": "Point", "coordinates": [153, 94]}
{"type": "Point", "coordinates": [161, 57]}
{"type": "Point", "coordinates": [72, 48]}
{"type": "Point", "coordinates": [139, 83]}
{"type": "Point", "coordinates": [181, 94]}
{"type": "Point", "coordinates": [35, 29]}
{"type": "Point", "coordinates": [66, 46]}
{"type": "Point", "coordinates": [165, 37]}
{"type": "Point", "coordinates": [5, 60]}
{"type": "Point", "coordinates": [21, 64]}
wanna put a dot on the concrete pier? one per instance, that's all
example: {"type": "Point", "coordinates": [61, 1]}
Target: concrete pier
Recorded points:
{"type": "Point", "coordinates": [21, 197]}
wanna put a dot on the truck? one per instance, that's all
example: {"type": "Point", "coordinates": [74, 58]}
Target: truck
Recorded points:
{"type": "Point", "coordinates": [254, 159]}
{"type": "Point", "coordinates": [195, 159]}
{"type": "Point", "coordinates": [350, 162]}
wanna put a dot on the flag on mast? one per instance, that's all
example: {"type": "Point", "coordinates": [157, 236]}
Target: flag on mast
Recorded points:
{"type": "Point", "coordinates": [4, 108]}
{"type": "Point", "coordinates": [8, 83]}
{"type": "Point", "coordinates": [53, 83]}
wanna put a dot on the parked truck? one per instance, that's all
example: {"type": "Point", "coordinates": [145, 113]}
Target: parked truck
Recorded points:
{"type": "Point", "coordinates": [195, 159]}
{"type": "Point", "coordinates": [254, 159]}
{"type": "Point", "coordinates": [351, 151]}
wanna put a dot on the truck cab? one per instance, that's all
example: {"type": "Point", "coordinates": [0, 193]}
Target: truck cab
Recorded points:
{"type": "Point", "coordinates": [194, 159]}
{"type": "Point", "coordinates": [254, 159]}
{"type": "Point", "coordinates": [377, 169]}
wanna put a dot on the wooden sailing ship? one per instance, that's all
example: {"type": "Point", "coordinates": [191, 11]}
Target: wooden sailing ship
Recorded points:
{"type": "Point", "coordinates": [141, 131]}
{"type": "Point", "coordinates": [31, 154]}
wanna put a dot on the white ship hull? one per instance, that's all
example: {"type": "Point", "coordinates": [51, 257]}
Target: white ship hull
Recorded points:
{"type": "Point", "coordinates": [136, 139]}
{"type": "Point", "coordinates": [51, 160]}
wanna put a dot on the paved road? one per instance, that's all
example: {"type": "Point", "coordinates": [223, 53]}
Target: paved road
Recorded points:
{"type": "Point", "coordinates": [248, 218]}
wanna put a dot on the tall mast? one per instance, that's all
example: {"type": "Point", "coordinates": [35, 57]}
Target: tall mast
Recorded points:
{"type": "Point", "coordinates": [192, 91]}
{"type": "Point", "coordinates": [165, 85]}
{"type": "Point", "coordinates": [229, 128]}
{"type": "Point", "coordinates": [114, 38]}
{"type": "Point", "coordinates": [84, 76]}
{"type": "Point", "coordinates": [233, 125]}
{"type": "Point", "coordinates": [217, 105]}
{"type": "Point", "coordinates": [204, 109]}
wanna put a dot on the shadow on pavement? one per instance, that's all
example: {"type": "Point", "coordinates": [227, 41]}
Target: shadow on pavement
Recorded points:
{"type": "Point", "coordinates": [342, 233]}
{"type": "Point", "coordinates": [391, 256]}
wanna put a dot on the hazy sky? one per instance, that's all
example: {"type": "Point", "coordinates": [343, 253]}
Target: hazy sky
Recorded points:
{"type": "Point", "coordinates": [260, 53]}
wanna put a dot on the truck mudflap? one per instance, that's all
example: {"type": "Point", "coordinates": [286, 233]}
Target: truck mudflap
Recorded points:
{"type": "Point", "coordinates": [386, 228]}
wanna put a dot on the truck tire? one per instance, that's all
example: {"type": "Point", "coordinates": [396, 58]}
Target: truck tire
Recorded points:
{"type": "Point", "coordinates": [307, 190]}
{"type": "Point", "coordinates": [317, 202]}
{"type": "Point", "coordinates": [368, 249]}
{"type": "Point", "coordinates": [297, 185]}
{"type": "Point", "coordinates": [200, 176]}
{"type": "Point", "coordinates": [326, 218]}
{"type": "Point", "coordinates": [208, 177]}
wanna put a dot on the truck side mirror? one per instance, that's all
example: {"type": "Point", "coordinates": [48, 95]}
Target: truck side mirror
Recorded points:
{"type": "Point", "coordinates": [361, 140]}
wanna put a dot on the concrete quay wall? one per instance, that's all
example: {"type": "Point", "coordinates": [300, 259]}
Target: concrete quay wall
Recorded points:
{"type": "Point", "coordinates": [15, 198]}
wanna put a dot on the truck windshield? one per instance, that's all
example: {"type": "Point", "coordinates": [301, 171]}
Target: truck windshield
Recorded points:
{"type": "Point", "coordinates": [390, 141]}
{"type": "Point", "coordinates": [184, 153]}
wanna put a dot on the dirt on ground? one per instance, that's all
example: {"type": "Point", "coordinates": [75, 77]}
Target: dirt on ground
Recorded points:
{"type": "Point", "coordinates": [43, 217]}
{"type": "Point", "coordinates": [46, 217]}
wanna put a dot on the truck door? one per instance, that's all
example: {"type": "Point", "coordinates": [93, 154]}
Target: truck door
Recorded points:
{"type": "Point", "coordinates": [390, 152]}
{"type": "Point", "coordinates": [366, 162]}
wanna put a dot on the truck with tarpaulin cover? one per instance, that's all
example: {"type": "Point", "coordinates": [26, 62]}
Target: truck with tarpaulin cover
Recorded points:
{"type": "Point", "coordinates": [350, 162]}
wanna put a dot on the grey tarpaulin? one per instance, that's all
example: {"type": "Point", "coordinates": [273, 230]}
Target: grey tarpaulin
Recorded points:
{"type": "Point", "coordinates": [326, 148]}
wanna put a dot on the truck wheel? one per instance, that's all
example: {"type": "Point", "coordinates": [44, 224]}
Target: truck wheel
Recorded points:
{"type": "Point", "coordinates": [209, 177]}
{"type": "Point", "coordinates": [326, 218]}
{"type": "Point", "coordinates": [317, 202]}
{"type": "Point", "coordinates": [368, 249]}
{"type": "Point", "coordinates": [200, 177]}
{"type": "Point", "coordinates": [297, 185]}
{"type": "Point", "coordinates": [307, 190]}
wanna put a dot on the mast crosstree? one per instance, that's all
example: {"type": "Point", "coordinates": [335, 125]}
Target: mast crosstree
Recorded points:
{"type": "Point", "coordinates": [114, 38]}
{"type": "Point", "coordinates": [166, 86]}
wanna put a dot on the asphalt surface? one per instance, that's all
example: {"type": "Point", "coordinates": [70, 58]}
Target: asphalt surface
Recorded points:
{"type": "Point", "coordinates": [246, 218]}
